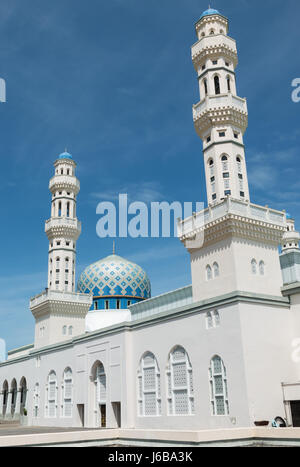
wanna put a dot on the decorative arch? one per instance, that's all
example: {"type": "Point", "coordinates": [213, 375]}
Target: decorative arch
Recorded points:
{"type": "Point", "coordinates": [180, 395]}
{"type": "Point", "coordinates": [216, 270]}
{"type": "Point", "coordinates": [218, 387]}
{"type": "Point", "coordinates": [149, 393]}
{"type": "Point", "coordinates": [14, 391]}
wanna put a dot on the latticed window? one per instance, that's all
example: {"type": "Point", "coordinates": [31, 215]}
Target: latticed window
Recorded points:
{"type": "Point", "coordinates": [100, 382]}
{"type": "Point", "coordinates": [218, 387]}
{"type": "Point", "coordinates": [239, 164]}
{"type": "Point", "coordinates": [67, 393]}
{"type": "Point", "coordinates": [36, 400]}
{"type": "Point", "coordinates": [180, 393]}
{"type": "Point", "coordinates": [149, 397]}
{"type": "Point", "coordinates": [224, 163]}
{"type": "Point", "coordinates": [52, 395]}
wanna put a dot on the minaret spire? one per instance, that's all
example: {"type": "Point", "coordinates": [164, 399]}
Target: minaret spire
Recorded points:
{"type": "Point", "coordinates": [221, 117]}
{"type": "Point", "coordinates": [63, 228]}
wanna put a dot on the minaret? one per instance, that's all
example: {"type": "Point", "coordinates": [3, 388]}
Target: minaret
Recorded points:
{"type": "Point", "coordinates": [290, 257]}
{"type": "Point", "coordinates": [233, 243]}
{"type": "Point", "coordinates": [221, 117]}
{"type": "Point", "coordinates": [63, 228]}
{"type": "Point", "coordinates": [59, 311]}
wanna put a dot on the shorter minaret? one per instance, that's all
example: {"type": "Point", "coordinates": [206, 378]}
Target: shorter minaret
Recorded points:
{"type": "Point", "coordinates": [59, 311]}
{"type": "Point", "coordinates": [63, 228]}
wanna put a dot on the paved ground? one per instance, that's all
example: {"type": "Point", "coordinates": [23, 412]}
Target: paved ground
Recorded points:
{"type": "Point", "coordinates": [12, 429]}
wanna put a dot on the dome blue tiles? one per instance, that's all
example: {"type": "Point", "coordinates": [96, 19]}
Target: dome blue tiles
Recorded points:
{"type": "Point", "coordinates": [115, 277]}
{"type": "Point", "coordinates": [65, 155]}
{"type": "Point", "coordinates": [209, 12]}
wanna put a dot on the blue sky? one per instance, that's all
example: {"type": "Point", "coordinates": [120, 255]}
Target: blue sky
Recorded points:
{"type": "Point", "coordinates": [114, 83]}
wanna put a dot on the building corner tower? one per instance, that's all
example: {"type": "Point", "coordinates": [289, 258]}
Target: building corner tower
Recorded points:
{"type": "Point", "coordinates": [59, 311]}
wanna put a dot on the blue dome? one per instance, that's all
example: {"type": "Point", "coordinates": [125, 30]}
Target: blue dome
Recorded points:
{"type": "Point", "coordinates": [65, 155]}
{"type": "Point", "coordinates": [208, 12]}
{"type": "Point", "coordinates": [115, 277]}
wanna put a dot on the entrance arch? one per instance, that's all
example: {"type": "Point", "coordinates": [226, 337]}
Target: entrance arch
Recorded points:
{"type": "Point", "coordinates": [98, 378]}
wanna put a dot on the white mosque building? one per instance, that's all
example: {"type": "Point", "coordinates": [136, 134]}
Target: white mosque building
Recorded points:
{"type": "Point", "coordinates": [216, 354]}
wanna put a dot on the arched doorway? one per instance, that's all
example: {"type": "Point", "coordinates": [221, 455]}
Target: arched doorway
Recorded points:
{"type": "Point", "coordinates": [5, 398]}
{"type": "Point", "coordinates": [23, 387]}
{"type": "Point", "coordinates": [14, 392]}
{"type": "Point", "coordinates": [98, 377]}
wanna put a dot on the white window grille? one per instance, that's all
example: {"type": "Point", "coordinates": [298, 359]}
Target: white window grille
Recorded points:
{"type": "Point", "coordinates": [36, 400]}
{"type": "Point", "coordinates": [149, 394]}
{"type": "Point", "coordinates": [218, 387]}
{"type": "Point", "coordinates": [180, 383]}
{"type": "Point", "coordinates": [68, 393]}
{"type": "Point", "coordinates": [52, 396]}
{"type": "Point", "coordinates": [100, 382]}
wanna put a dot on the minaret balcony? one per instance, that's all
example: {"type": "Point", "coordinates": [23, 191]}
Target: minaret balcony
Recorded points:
{"type": "Point", "coordinates": [57, 226]}
{"type": "Point", "coordinates": [64, 182]}
{"type": "Point", "coordinates": [220, 109]}
{"type": "Point", "coordinates": [56, 296]}
{"type": "Point", "coordinates": [216, 46]}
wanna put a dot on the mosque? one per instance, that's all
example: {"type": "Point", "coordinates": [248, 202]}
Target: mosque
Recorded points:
{"type": "Point", "coordinates": [220, 353]}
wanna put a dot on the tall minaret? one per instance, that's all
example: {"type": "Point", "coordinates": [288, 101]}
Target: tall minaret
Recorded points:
{"type": "Point", "coordinates": [221, 117]}
{"type": "Point", "coordinates": [63, 228]}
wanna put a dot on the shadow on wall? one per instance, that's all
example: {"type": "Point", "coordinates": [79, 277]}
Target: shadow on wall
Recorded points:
{"type": "Point", "coordinates": [2, 350]}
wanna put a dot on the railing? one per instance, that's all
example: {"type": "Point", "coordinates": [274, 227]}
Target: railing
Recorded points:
{"type": "Point", "coordinates": [231, 206]}
{"type": "Point", "coordinates": [214, 41]}
{"type": "Point", "coordinates": [216, 102]}
{"type": "Point", "coordinates": [62, 221]}
{"type": "Point", "coordinates": [64, 180]}
{"type": "Point", "coordinates": [57, 295]}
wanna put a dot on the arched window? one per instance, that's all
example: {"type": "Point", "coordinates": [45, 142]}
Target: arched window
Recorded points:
{"type": "Point", "coordinates": [68, 209]}
{"type": "Point", "coordinates": [218, 387]}
{"type": "Point", "coordinates": [221, 31]}
{"type": "Point", "coordinates": [262, 268]}
{"type": "Point", "coordinates": [149, 397]}
{"type": "Point", "coordinates": [70, 330]}
{"type": "Point", "coordinates": [211, 167]}
{"type": "Point", "coordinates": [228, 84]}
{"type": "Point", "coordinates": [211, 32]}
{"type": "Point", "coordinates": [5, 397]}
{"type": "Point", "coordinates": [14, 391]}
{"type": "Point", "coordinates": [224, 160]}
{"type": "Point", "coordinates": [239, 164]}
{"type": "Point", "coordinates": [217, 84]}
{"type": "Point", "coordinates": [59, 209]}
{"type": "Point", "coordinates": [205, 86]}
{"type": "Point", "coordinates": [180, 383]}
{"type": "Point", "coordinates": [209, 320]}
{"type": "Point", "coordinates": [67, 393]}
{"type": "Point", "coordinates": [216, 318]}
{"type": "Point", "coordinates": [216, 270]}
{"type": "Point", "coordinates": [23, 398]}
{"type": "Point", "coordinates": [51, 400]}
{"type": "Point", "coordinates": [254, 266]}
{"type": "Point", "coordinates": [208, 273]}
{"type": "Point", "coordinates": [64, 330]}
{"type": "Point", "coordinates": [36, 400]}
